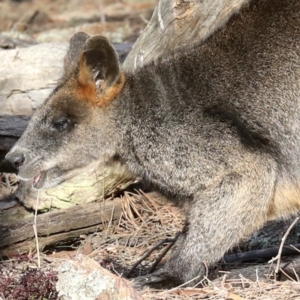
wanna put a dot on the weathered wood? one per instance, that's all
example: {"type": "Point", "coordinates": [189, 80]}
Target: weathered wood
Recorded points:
{"type": "Point", "coordinates": [175, 23]}
{"type": "Point", "coordinates": [28, 75]}
{"type": "Point", "coordinates": [93, 183]}
{"type": "Point", "coordinates": [260, 272]}
{"type": "Point", "coordinates": [17, 236]}
{"type": "Point", "coordinates": [271, 235]}
{"type": "Point", "coordinates": [11, 128]}
{"type": "Point", "coordinates": [261, 255]}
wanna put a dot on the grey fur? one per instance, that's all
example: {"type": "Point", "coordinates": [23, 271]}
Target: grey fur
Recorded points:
{"type": "Point", "coordinates": [215, 128]}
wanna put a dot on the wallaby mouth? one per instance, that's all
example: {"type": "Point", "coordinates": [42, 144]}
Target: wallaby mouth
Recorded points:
{"type": "Point", "coordinates": [39, 180]}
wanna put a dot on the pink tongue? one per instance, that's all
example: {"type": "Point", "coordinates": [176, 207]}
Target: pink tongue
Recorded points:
{"type": "Point", "coordinates": [37, 178]}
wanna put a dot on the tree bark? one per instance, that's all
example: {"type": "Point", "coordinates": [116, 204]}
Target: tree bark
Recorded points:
{"type": "Point", "coordinates": [94, 183]}
{"type": "Point", "coordinates": [11, 128]}
{"type": "Point", "coordinates": [28, 76]}
{"type": "Point", "coordinates": [177, 23]}
{"type": "Point", "coordinates": [17, 234]}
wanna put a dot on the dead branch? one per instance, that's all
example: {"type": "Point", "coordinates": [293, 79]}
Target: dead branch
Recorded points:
{"type": "Point", "coordinates": [262, 254]}
{"type": "Point", "coordinates": [278, 257]}
{"type": "Point", "coordinates": [17, 236]}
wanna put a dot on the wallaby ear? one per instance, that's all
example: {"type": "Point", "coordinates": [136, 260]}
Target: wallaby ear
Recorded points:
{"type": "Point", "coordinates": [99, 61]}
{"type": "Point", "coordinates": [76, 46]}
{"type": "Point", "coordinates": [99, 74]}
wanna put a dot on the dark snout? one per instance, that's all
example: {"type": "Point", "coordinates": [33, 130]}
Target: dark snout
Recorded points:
{"type": "Point", "coordinates": [14, 159]}
{"type": "Point", "coordinates": [21, 161]}
{"type": "Point", "coordinates": [7, 167]}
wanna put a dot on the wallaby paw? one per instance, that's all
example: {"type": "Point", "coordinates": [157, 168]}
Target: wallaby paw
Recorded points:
{"type": "Point", "coordinates": [157, 280]}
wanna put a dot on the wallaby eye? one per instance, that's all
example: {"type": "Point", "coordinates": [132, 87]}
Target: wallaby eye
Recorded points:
{"type": "Point", "coordinates": [61, 124]}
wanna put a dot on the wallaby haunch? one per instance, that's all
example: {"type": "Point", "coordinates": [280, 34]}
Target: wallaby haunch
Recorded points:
{"type": "Point", "coordinates": [215, 128]}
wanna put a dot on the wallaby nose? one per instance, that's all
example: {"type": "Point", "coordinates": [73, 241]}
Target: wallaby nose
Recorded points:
{"type": "Point", "coordinates": [7, 167]}
{"type": "Point", "coordinates": [16, 159]}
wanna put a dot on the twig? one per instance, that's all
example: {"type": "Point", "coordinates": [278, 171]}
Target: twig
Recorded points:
{"type": "Point", "coordinates": [278, 257]}
{"type": "Point", "coordinates": [102, 14]}
{"type": "Point", "coordinates": [296, 275]}
{"type": "Point", "coordinates": [166, 250]}
{"type": "Point", "coordinates": [289, 277]}
{"type": "Point", "coordinates": [35, 230]}
{"type": "Point", "coordinates": [205, 277]}
{"type": "Point", "coordinates": [296, 249]}
{"type": "Point", "coordinates": [181, 285]}
{"type": "Point", "coordinates": [166, 240]}
{"type": "Point", "coordinates": [144, 19]}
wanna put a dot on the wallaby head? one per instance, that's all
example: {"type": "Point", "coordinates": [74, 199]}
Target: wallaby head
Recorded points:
{"type": "Point", "coordinates": [50, 150]}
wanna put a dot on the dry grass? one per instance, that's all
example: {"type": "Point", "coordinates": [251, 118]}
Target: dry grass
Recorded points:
{"type": "Point", "coordinates": [247, 290]}
{"type": "Point", "coordinates": [146, 220]}
{"type": "Point", "coordinates": [8, 184]}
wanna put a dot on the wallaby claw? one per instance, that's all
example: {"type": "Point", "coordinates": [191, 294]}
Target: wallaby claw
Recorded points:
{"type": "Point", "coordinates": [157, 280]}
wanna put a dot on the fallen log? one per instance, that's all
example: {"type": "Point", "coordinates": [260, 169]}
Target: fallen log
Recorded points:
{"type": "Point", "coordinates": [94, 183]}
{"type": "Point", "coordinates": [17, 236]}
{"type": "Point", "coordinates": [261, 255]}
{"type": "Point", "coordinates": [177, 23]}
{"type": "Point", "coordinates": [11, 128]}
{"type": "Point", "coordinates": [28, 75]}
{"type": "Point", "coordinates": [289, 269]}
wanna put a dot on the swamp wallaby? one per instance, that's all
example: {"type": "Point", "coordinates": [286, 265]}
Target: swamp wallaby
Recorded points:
{"type": "Point", "coordinates": [214, 127]}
